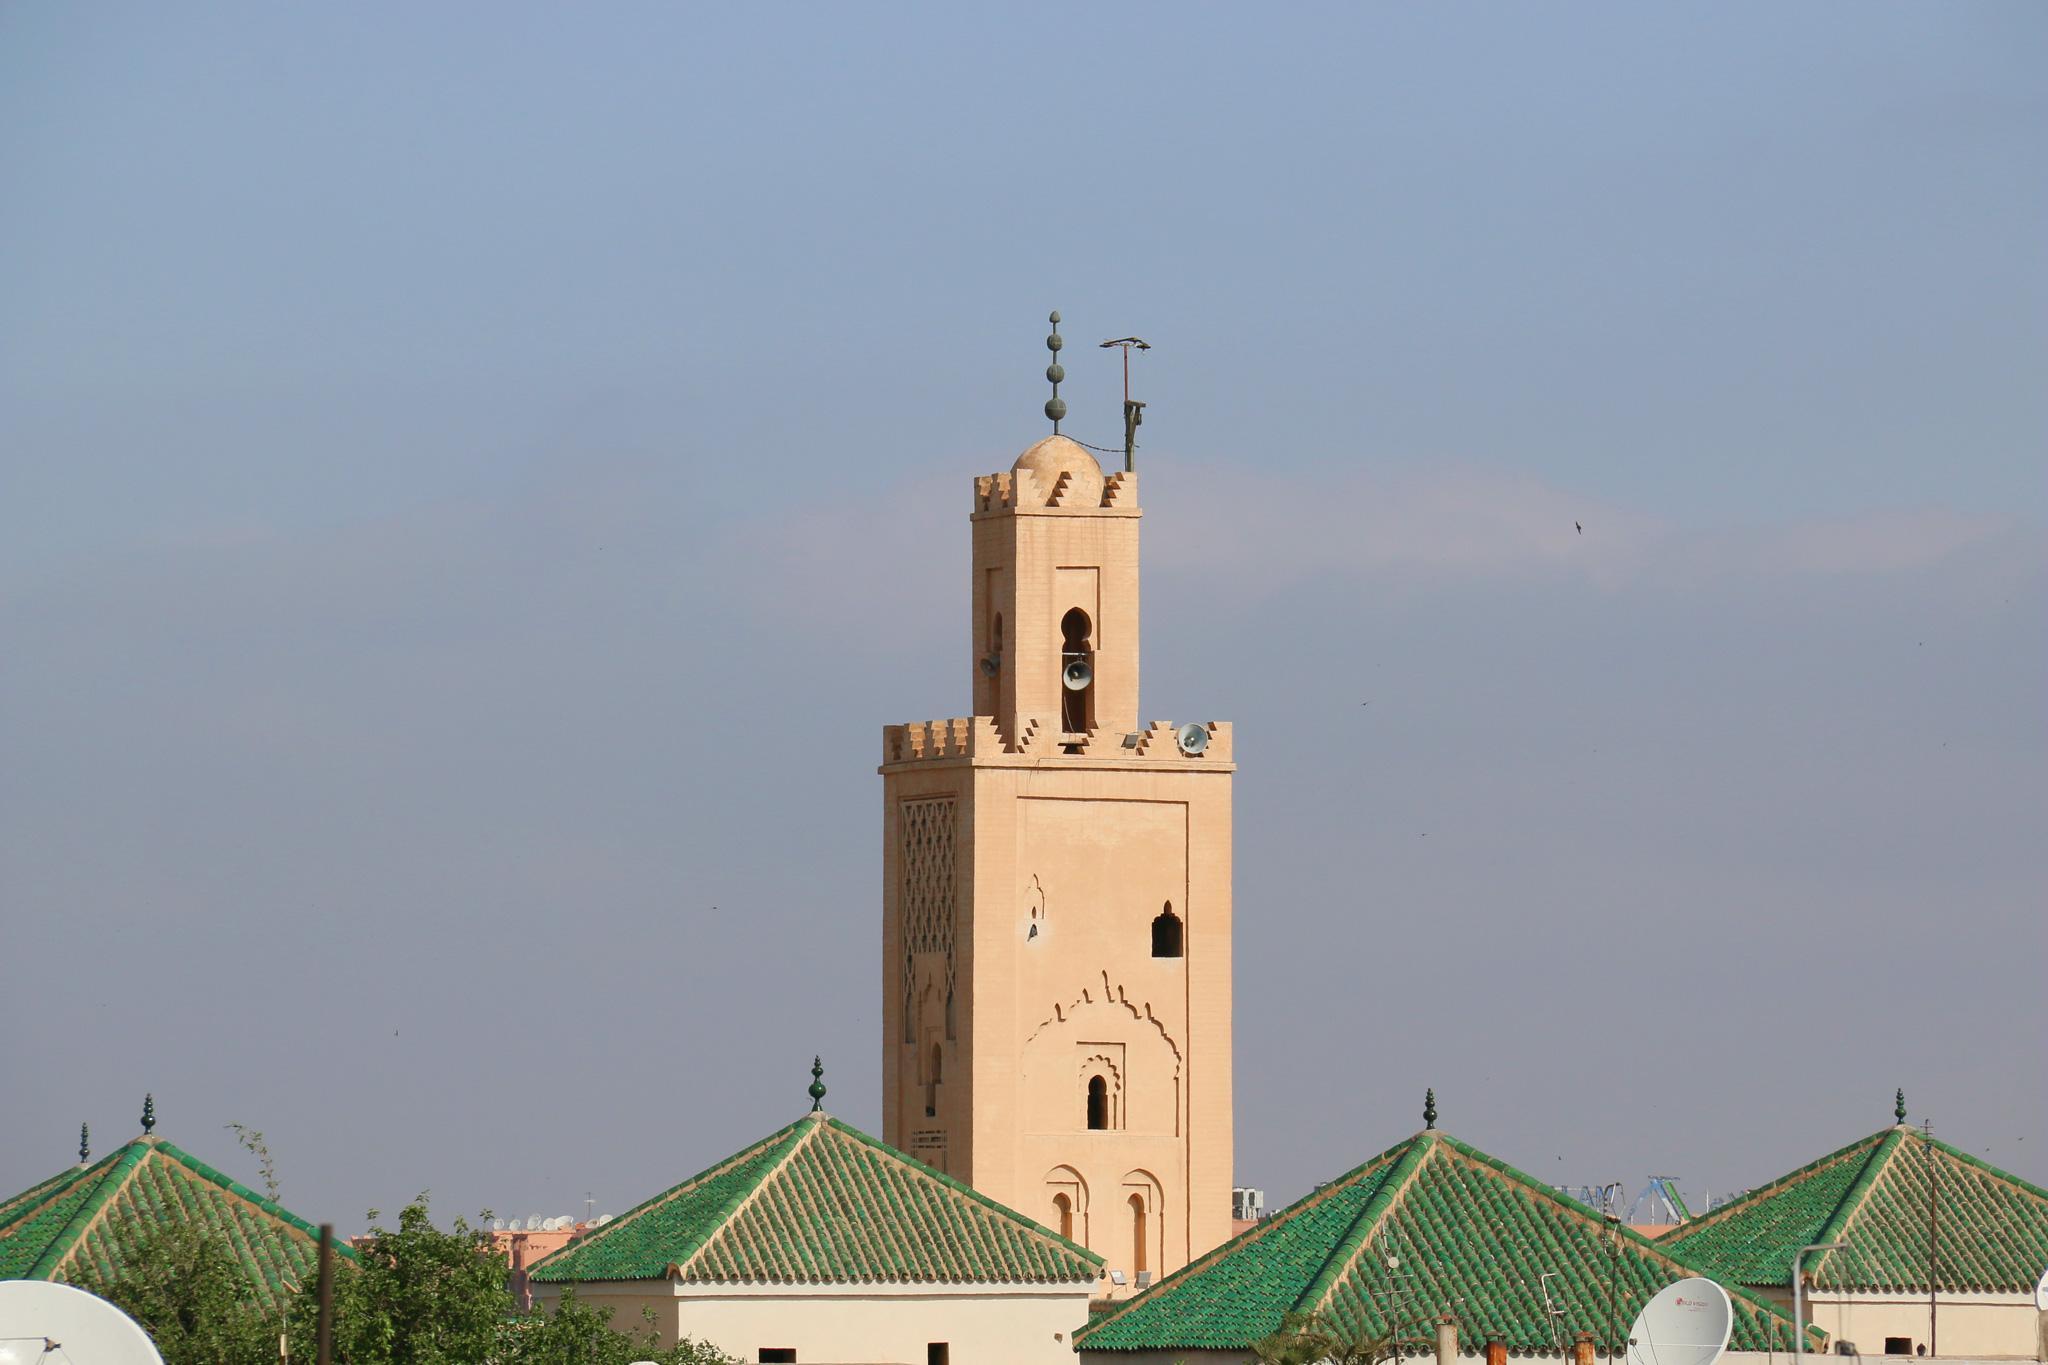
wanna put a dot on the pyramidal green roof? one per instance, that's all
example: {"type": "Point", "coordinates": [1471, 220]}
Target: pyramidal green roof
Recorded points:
{"type": "Point", "coordinates": [1469, 1231]}
{"type": "Point", "coordinates": [821, 1202]}
{"type": "Point", "coordinates": [1913, 1212]}
{"type": "Point", "coordinates": [89, 1219]}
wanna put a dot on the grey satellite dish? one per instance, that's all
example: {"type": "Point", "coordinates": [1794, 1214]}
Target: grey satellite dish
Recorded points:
{"type": "Point", "coordinates": [1192, 739]}
{"type": "Point", "coordinates": [40, 1321]}
{"type": "Point", "coordinates": [991, 665]}
{"type": "Point", "coordinates": [1687, 1323]}
{"type": "Point", "coordinates": [1078, 675]}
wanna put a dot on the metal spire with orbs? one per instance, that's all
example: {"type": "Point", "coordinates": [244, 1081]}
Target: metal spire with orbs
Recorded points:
{"type": "Point", "coordinates": [148, 1115]}
{"type": "Point", "coordinates": [1055, 406]}
{"type": "Point", "coordinates": [817, 1090]}
{"type": "Point", "coordinates": [1899, 1106]}
{"type": "Point", "coordinates": [84, 1143]}
{"type": "Point", "coordinates": [1429, 1108]}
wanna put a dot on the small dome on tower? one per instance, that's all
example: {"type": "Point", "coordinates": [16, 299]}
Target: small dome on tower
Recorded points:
{"type": "Point", "coordinates": [1056, 455]}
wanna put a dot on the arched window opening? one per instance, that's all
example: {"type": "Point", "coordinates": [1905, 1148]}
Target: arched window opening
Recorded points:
{"type": "Point", "coordinates": [1098, 1103]}
{"type": "Point", "coordinates": [1077, 704]}
{"type": "Point", "coordinates": [1166, 933]}
{"type": "Point", "coordinates": [931, 1084]}
{"type": "Point", "coordinates": [1063, 1215]}
{"type": "Point", "coordinates": [1138, 1220]}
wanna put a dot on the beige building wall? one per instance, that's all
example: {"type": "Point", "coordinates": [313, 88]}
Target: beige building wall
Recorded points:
{"type": "Point", "coordinates": [1029, 853]}
{"type": "Point", "coordinates": [1984, 1326]}
{"type": "Point", "coordinates": [1028, 1324]}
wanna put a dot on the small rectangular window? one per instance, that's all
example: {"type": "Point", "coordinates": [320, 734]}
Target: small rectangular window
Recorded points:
{"type": "Point", "coordinates": [936, 1353]}
{"type": "Point", "coordinates": [1898, 1346]}
{"type": "Point", "coordinates": [778, 1355]}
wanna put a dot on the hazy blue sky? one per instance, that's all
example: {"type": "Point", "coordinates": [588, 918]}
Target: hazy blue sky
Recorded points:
{"type": "Point", "coordinates": [475, 480]}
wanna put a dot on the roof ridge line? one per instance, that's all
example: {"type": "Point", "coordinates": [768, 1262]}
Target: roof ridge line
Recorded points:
{"type": "Point", "coordinates": [240, 1191]}
{"type": "Point", "coordinates": [800, 1132]}
{"type": "Point", "coordinates": [1257, 1230]}
{"type": "Point", "coordinates": [1858, 1193]}
{"type": "Point", "coordinates": [959, 1186]}
{"type": "Point", "coordinates": [661, 1197]}
{"type": "Point", "coordinates": [2021, 1181]}
{"type": "Point", "coordinates": [1359, 1233]}
{"type": "Point", "coordinates": [1713, 1216]}
{"type": "Point", "coordinates": [43, 1193]}
{"type": "Point", "coordinates": [1649, 1244]}
{"type": "Point", "coordinates": [60, 1247]}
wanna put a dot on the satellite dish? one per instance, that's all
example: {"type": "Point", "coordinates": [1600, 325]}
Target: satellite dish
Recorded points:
{"type": "Point", "coordinates": [991, 665]}
{"type": "Point", "coordinates": [1192, 739]}
{"type": "Point", "coordinates": [1078, 675]}
{"type": "Point", "coordinates": [44, 1321]}
{"type": "Point", "coordinates": [536, 1223]}
{"type": "Point", "coordinates": [2041, 1292]}
{"type": "Point", "coordinates": [1687, 1323]}
{"type": "Point", "coordinates": [497, 1225]}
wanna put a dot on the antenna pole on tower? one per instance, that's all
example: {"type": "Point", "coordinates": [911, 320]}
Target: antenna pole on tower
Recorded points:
{"type": "Point", "coordinates": [1134, 413]}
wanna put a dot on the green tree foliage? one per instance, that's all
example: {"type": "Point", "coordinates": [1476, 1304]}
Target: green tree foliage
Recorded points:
{"type": "Point", "coordinates": [183, 1284]}
{"type": "Point", "coordinates": [415, 1296]}
{"type": "Point", "coordinates": [1313, 1339]}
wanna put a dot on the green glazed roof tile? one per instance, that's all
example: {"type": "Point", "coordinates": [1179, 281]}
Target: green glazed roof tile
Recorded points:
{"type": "Point", "coordinates": [820, 1202]}
{"type": "Point", "coordinates": [1914, 1213]}
{"type": "Point", "coordinates": [1469, 1231]}
{"type": "Point", "coordinates": [88, 1220]}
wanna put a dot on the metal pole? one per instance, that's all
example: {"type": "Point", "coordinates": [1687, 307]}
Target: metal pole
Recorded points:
{"type": "Point", "coordinates": [323, 1332]}
{"type": "Point", "coordinates": [1798, 1290]}
{"type": "Point", "coordinates": [1933, 1236]}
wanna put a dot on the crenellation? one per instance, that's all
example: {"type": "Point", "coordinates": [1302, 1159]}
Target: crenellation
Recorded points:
{"type": "Point", "coordinates": [1120, 489]}
{"type": "Point", "coordinates": [1037, 737]}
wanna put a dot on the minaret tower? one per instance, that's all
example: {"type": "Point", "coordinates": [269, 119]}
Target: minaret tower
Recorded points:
{"type": "Point", "coordinates": [1056, 893]}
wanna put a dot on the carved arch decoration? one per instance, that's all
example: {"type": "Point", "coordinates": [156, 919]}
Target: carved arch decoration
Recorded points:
{"type": "Point", "coordinates": [1147, 1077]}
{"type": "Point", "coordinates": [1070, 1219]}
{"type": "Point", "coordinates": [1114, 996]}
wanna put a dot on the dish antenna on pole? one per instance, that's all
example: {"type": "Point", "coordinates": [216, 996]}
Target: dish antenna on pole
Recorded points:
{"type": "Point", "coordinates": [1687, 1323]}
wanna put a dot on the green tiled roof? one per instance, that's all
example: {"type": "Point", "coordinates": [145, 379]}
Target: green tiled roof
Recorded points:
{"type": "Point", "coordinates": [1989, 1229]}
{"type": "Point", "coordinates": [1469, 1231]}
{"type": "Point", "coordinates": [90, 1218]}
{"type": "Point", "coordinates": [821, 1203]}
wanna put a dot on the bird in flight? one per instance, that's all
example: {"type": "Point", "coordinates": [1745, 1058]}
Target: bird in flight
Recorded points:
{"type": "Point", "coordinates": [1580, 527]}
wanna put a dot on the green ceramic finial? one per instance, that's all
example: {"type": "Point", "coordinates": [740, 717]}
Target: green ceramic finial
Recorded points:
{"type": "Point", "coordinates": [817, 1085]}
{"type": "Point", "coordinates": [84, 1143]}
{"type": "Point", "coordinates": [1055, 406]}
{"type": "Point", "coordinates": [1429, 1108]}
{"type": "Point", "coordinates": [148, 1114]}
{"type": "Point", "coordinates": [1899, 1105]}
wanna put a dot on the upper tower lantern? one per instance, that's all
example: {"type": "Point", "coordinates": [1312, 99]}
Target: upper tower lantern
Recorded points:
{"type": "Point", "coordinates": [1055, 598]}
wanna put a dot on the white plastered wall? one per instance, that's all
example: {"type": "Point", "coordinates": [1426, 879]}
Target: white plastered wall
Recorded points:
{"type": "Point", "coordinates": [857, 1324]}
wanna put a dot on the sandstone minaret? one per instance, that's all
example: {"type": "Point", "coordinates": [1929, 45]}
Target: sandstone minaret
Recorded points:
{"type": "Point", "coordinates": [1056, 892]}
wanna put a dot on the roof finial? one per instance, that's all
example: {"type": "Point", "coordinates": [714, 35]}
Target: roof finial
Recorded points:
{"type": "Point", "coordinates": [1429, 1108]}
{"type": "Point", "coordinates": [84, 1143]}
{"type": "Point", "coordinates": [1899, 1106]}
{"type": "Point", "coordinates": [817, 1085]}
{"type": "Point", "coordinates": [1055, 406]}
{"type": "Point", "coordinates": [148, 1114]}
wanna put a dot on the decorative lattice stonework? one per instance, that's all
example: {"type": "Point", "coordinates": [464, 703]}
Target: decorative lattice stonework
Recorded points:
{"type": "Point", "coordinates": [927, 898]}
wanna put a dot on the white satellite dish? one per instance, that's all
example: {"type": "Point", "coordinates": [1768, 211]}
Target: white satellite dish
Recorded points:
{"type": "Point", "coordinates": [2041, 1292]}
{"type": "Point", "coordinates": [1686, 1324]}
{"type": "Point", "coordinates": [55, 1324]}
